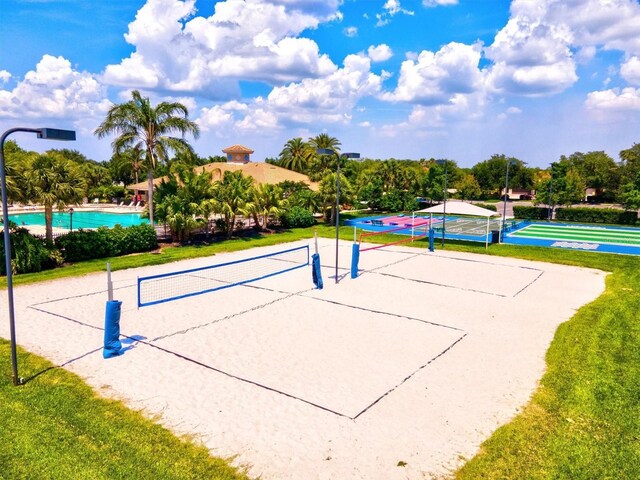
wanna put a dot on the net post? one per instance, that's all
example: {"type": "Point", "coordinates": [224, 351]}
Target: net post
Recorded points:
{"type": "Point", "coordinates": [355, 258]}
{"type": "Point", "coordinates": [315, 237]}
{"type": "Point", "coordinates": [109, 283]}
{"type": "Point", "coordinates": [413, 221]}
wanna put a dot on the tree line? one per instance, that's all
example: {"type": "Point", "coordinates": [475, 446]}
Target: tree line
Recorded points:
{"type": "Point", "coordinates": [150, 141]}
{"type": "Point", "coordinates": [394, 184]}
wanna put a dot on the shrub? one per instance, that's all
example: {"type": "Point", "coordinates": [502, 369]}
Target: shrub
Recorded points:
{"type": "Point", "coordinates": [107, 242]}
{"type": "Point", "coordinates": [596, 215]}
{"type": "Point", "coordinates": [533, 213]}
{"type": "Point", "coordinates": [488, 206]}
{"type": "Point", "coordinates": [297, 217]}
{"type": "Point", "coordinates": [29, 253]}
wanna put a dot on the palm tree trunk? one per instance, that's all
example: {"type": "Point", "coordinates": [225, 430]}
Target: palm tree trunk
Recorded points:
{"type": "Point", "coordinates": [48, 222]}
{"type": "Point", "coordinates": [150, 203]}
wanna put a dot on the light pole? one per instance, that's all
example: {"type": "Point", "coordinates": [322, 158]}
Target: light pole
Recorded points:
{"type": "Point", "coordinates": [504, 198]}
{"type": "Point", "coordinates": [444, 195]}
{"type": "Point", "coordinates": [549, 207]}
{"type": "Point", "coordinates": [71, 219]}
{"type": "Point", "coordinates": [328, 151]}
{"type": "Point", "coordinates": [48, 134]}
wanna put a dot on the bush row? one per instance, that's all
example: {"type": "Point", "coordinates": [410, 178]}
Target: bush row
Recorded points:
{"type": "Point", "coordinates": [488, 206]}
{"type": "Point", "coordinates": [579, 214]}
{"type": "Point", "coordinates": [106, 242]}
{"type": "Point", "coordinates": [29, 253]}
{"type": "Point", "coordinates": [596, 215]}
{"type": "Point", "coordinates": [533, 213]}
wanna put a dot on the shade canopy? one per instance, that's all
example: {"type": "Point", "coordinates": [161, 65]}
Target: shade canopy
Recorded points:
{"type": "Point", "coordinates": [460, 208]}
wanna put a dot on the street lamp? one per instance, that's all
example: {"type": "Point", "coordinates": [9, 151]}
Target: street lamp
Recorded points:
{"type": "Point", "coordinates": [505, 197]}
{"type": "Point", "coordinates": [549, 207]}
{"type": "Point", "coordinates": [71, 219]}
{"type": "Point", "coordinates": [48, 134]}
{"type": "Point", "coordinates": [444, 194]}
{"type": "Point", "coordinates": [328, 151]}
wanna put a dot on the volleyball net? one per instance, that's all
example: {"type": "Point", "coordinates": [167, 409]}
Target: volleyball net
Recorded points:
{"type": "Point", "coordinates": [166, 287]}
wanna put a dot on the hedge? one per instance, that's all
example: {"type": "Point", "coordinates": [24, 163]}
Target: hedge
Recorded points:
{"type": "Point", "coordinates": [533, 213]}
{"type": "Point", "coordinates": [107, 242]}
{"type": "Point", "coordinates": [488, 206]}
{"type": "Point", "coordinates": [29, 253]}
{"type": "Point", "coordinates": [597, 215]}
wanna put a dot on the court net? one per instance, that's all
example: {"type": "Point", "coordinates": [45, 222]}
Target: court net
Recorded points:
{"type": "Point", "coordinates": [409, 234]}
{"type": "Point", "coordinates": [166, 287]}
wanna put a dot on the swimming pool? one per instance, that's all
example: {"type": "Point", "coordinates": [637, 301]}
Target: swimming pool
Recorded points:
{"type": "Point", "coordinates": [81, 219]}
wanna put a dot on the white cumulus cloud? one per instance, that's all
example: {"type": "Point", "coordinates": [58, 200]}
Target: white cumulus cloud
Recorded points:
{"type": "Point", "coordinates": [55, 90]}
{"type": "Point", "coordinates": [614, 100]}
{"type": "Point", "coordinates": [379, 53]}
{"type": "Point", "coordinates": [435, 78]}
{"type": "Point", "coordinates": [178, 50]}
{"type": "Point", "coordinates": [390, 9]}
{"type": "Point", "coordinates": [438, 3]}
{"type": "Point", "coordinates": [630, 70]}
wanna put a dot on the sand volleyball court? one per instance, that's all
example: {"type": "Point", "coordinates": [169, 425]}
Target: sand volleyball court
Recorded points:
{"type": "Point", "coordinates": [413, 363]}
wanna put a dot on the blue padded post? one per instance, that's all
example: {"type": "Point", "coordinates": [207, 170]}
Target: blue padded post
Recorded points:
{"type": "Point", "coordinates": [355, 258]}
{"type": "Point", "coordinates": [315, 270]}
{"type": "Point", "coordinates": [112, 345]}
{"type": "Point", "coordinates": [431, 239]}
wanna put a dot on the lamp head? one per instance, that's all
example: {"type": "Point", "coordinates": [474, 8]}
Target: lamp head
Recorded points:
{"type": "Point", "coordinates": [325, 151]}
{"type": "Point", "coordinates": [57, 134]}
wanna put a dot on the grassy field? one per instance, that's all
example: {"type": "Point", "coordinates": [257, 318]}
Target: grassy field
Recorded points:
{"type": "Point", "coordinates": [583, 422]}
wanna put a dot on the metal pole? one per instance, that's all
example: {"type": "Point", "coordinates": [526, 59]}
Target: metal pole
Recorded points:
{"type": "Point", "coordinates": [7, 252]}
{"type": "Point", "coordinates": [444, 207]}
{"type": "Point", "coordinates": [109, 283]}
{"type": "Point", "coordinates": [549, 207]}
{"type": "Point", "coordinates": [337, 212]}
{"type": "Point", "coordinates": [504, 200]}
{"type": "Point", "coordinates": [46, 133]}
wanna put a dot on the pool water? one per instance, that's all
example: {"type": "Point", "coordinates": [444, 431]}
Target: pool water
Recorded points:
{"type": "Point", "coordinates": [81, 219]}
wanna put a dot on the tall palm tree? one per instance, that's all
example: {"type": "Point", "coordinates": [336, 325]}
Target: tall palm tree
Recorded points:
{"type": "Point", "coordinates": [323, 163]}
{"type": "Point", "coordinates": [296, 155]}
{"type": "Point", "coordinates": [138, 124]}
{"type": "Point", "coordinates": [51, 180]}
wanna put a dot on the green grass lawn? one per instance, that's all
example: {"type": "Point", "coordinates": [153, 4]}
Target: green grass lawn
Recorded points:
{"type": "Point", "coordinates": [583, 422]}
{"type": "Point", "coordinates": [55, 427]}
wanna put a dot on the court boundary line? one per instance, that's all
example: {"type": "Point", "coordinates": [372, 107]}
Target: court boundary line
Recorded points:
{"type": "Point", "coordinates": [408, 377]}
{"type": "Point", "coordinates": [151, 343]}
{"type": "Point", "coordinates": [415, 254]}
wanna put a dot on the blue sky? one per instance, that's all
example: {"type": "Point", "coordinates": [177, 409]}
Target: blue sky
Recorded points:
{"type": "Point", "coordinates": [457, 79]}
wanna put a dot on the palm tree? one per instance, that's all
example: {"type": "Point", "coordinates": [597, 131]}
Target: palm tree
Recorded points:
{"type": "Point", "coordinates": [51, 180]}
{"type": "Point", "coordinates": [323, 163]}
{"type": "Point", "coordinates": [232, 195]}
{"type": "Point", "coordinates": [138, 124]}
{"type": "Point", "coordinates": [296, 155]}
{"type": "Point", "coordinates": [267, 200]}
{"type": "Point", "coordinates": [126, 165]}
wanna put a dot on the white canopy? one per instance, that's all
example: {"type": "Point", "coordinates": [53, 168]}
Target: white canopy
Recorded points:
{"type": "Point", "coordinates": [460, 208]}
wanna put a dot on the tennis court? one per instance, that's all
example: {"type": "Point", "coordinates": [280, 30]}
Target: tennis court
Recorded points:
{"type": "Point", "coordinates": [455, 227]}
{"type": "Point", "coordinates": [609, 239]}
{"type": "Point", "coordinates": [417, 360]}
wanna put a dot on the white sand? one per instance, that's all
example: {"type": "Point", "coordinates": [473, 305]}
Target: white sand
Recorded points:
{"type": "Point", "coordinates": [418, 360]}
